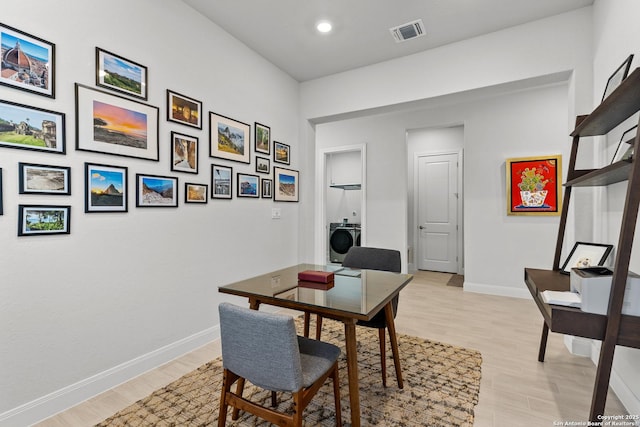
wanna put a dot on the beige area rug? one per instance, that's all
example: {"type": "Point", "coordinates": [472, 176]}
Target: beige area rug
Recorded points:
{"type": "Point", "coordinates": [456, 280]}
{"type": "Point", "coordinates": [441, 387]}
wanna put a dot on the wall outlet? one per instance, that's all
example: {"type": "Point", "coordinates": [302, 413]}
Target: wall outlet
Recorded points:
{"type": "Point", "coordinates": [275, 213]}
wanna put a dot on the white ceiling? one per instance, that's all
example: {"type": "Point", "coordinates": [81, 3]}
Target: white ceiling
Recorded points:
{"type": "Point", "coordinates": [283, 31]}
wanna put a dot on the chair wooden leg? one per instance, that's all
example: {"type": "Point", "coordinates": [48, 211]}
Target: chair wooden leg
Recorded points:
{"type": "Point", "coordinates": [336, 395]}
{"type": "Point", "coordinates": [227, 382]}
{"type": "Point", "coordinates": [388, 310]}
{"type": "Point", "coordinates": [307, 319]}
{"type": "Point", "coordinates": [298, 408]}
{"type": "Point", "coordinates": [274, 400]}
{"type": "Point", "coordinates": [318, 327]}
{"type": "Point", "coordinates": [236, 411]}
{"type": "Point", "coordinates": [383, 356]}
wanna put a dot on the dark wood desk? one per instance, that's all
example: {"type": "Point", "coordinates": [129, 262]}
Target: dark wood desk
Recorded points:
{"type": "Point", "coordinates": [356, 295]}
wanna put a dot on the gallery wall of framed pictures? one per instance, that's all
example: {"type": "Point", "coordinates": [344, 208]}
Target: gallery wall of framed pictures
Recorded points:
{"type": "Point", "coordinates": [115, 120]}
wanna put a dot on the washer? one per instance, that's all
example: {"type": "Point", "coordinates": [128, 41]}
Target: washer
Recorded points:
{"type": "Point", "coordinates": [341, 238]}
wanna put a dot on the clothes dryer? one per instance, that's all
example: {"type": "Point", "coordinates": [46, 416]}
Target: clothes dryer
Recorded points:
{"type": "Point", "coordinates": [341, 238]}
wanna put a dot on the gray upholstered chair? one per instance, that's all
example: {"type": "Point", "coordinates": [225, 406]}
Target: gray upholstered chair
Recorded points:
{"type": "Point", "coordinates": [374, 259]}
{"type": "Point", "coordinates": [264, 349]}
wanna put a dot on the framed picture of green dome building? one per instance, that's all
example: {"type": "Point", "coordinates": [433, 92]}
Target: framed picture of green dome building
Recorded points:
{"type": "Point", "coordinates": [28, 62]}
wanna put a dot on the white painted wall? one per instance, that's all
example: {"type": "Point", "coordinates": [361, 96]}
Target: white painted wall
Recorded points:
{"type": "Point", "coordinates": [124, 292]}
{"type": "Point", "coordinates": [344, 168]}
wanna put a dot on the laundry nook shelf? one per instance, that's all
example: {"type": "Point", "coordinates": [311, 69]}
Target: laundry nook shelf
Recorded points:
{"type": "Point", "coordinates": [347, 186]}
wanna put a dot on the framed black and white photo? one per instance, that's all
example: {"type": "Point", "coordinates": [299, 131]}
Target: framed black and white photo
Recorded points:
{"type": "Point", "coordinates": [229, 138]}
{"type": "Point", "coordinates": [184, 110]}
{"type": "Point", "coordinates": [156, 191]}
{"type": "Point", "coordinates": [267, 188]}
{"type": "Point", "coordinates": [43, 220]}
{"type": "Point", "coordinates": [281, 153]}
{"type": "Point", "coordinates": [28, 62]}
{"type": "Point", "coordinates": [31, 128]}
{"type": "Point", "coordinates": [120, 74]}
{"type": "Point", "coordinates": [105, 188]}
{"type": "Point", "coordinates": [586, 254]}
{"type": "Point", "coordinates": [184, 153]}
{"type": "Point", "coordinates": [112, 124]}
{"type": "Point", "coordinates": [43, 179]}
{"type": "Point", "coordinates": [262, 138]}
{"type": "Point", "coordinates": [196, 193]}
{"type": "Point", "coordinates": [221, 182]}
{"type": "Point", "coordinates": [248, 185]}
{"type": "Point", "coordinates": [617, 77]}
{"type": "Point", "coordinates": [624, 151]}
{"type": "Point", "coordinates": [263, 165]}
{"type": "Point", "coordinates": [286, 184]}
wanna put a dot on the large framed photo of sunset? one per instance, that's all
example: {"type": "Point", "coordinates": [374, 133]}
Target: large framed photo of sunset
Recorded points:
{"type": "Point", "coordinates": [111, 124]}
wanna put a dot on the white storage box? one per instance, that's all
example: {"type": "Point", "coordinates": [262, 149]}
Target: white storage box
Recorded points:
{"type": "Point", "coordinates": [594, 286]}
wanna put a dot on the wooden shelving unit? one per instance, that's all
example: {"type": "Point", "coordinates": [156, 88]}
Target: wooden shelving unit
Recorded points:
{"type": "Point", "coordinates": [614, 328]}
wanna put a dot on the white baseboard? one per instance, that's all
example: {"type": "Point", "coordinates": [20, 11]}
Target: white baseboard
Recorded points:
{"type": "Point", "coordinates": [67, 397]}
{"type": "Point", "coordinates": [505, 291]}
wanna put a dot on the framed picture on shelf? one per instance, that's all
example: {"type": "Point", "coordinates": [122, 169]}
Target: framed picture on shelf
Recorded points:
{"type": "Point", "coordinates": [248, 185]}
{"type": "Point", "coordinates": [112, 124]}
{"type": "Point", "coordinates": [43, 219]}
{"type": "Point", "coordinates": [31, 128]}
{"type": "Point", "coordinates": [184, 153]}
{"type": "Point", "coordinates": [156, 191]}
{"type": "Point", "coordinates": [105, 188]}
{"type": "Point", "coordinates": [624, 151]}
{"type": "Point", "coordinates": [281, 153]}
{"type": "Point", "coordinates": [120, 74]}
{"type": "Point", "coordinates": [43, 179]}
{"type": "Point", "coordinates": [267, 188]}
{"type": "Point", "coordinates": [262, 165]}
{"type": "Point", "coordinates": [221, 182]}
{"type": "Point", "coordinates": [534, 185]}
{"type": "Point", "coordinates": [586, 255]}
{"type": "Point", "coordinates": [229, 138]}
{"type": "Point", "coordinates": [195, 193]}
{"type": "Point", "coordinates": [28, 62]}
{"type": "Point", "coordinates": [262, 138]}
{"type": "Point", "coordinates": [287, 183]}
{"type": "Point", "coordinates": [184, 110]}
{"type": "Point", "coordinates": [617, 77]}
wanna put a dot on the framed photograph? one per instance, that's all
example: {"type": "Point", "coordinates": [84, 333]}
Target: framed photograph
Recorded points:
{"type": "Point", "coordinates": [28, 62]}
{"type": "Point", "coordinates": [262, 138]}
{"type": "Point", "coordinates": [43, 179]}
{"type": "Point", "coordinates": [112, 124]}
{"type": "Point", "coordinates": [586, 255]}
{"type": "Point", "coordinates": [105, 188]}
{"type": "Point", "coordinates": [43, 219]}
{"type": "Point", "coordinates": [31, 128]}
{"type": "Point", "coordinates": [248, 185]}
{"type": "Point", "coordinates": [120, 74]}
{"type": "Point", "coordinates": [625, 146]}
{"type": "Point", "coordinates": [184, 153]}
{"type": "Point", "coordinates": [281, 153]}
{"type": "Point", "coordinates": [267, 188]}
{"type": "Point", "coordinates": [156, 191]}
{"type": "Point", "coordinates": [195, 193]}
{"type": "Point", "coordinates": [263, 165]}
{"type": "Point", "coordinates": [617, 77]}
{"type": "Point", "coordinates": [534, 185]}
{"type": "Point", "coordinates": [221, 182]}
{"type": "Point", "coordinates": [229, 138]}
{"type": "Point", "coordinates": [184, 110]}
{"type": "Point", "coordinates": [287, 183]}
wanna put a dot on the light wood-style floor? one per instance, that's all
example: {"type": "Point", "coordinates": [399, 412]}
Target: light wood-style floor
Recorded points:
{"type": "Point", "coordinates": [516, 390]}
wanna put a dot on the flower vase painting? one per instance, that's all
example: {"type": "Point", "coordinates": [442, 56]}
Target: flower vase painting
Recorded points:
{"type": "Point", "coordinates": [533, 185]}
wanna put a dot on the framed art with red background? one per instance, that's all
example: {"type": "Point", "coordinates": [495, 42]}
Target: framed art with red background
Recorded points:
{"type": "Point", "coordinates": [534, 185]}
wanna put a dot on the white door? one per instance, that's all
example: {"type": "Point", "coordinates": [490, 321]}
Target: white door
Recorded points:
{"type": "Point", "coordinates": [438, 212]}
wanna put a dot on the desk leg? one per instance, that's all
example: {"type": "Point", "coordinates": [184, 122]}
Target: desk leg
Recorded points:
{"type": "Point", "coordinates": [391, 326]}
{"type": "Point", "coordinates": [543, 342]}
{"type": "Point", "coordinates": [352, 369]}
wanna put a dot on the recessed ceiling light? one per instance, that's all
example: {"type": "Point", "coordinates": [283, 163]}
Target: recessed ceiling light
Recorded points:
{"type": "Point", "coordinates": [324, 26]}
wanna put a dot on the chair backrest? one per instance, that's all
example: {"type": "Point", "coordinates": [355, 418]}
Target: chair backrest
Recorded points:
{"type": "Point", "coordinates": [373, 259]}
{"type": "Point", "coordinates": [261, 347]}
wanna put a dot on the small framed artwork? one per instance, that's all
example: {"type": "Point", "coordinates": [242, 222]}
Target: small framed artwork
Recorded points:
{"type": "Point", "coordinates": [195, 193]}
{"type": "Point", "coordinates": [28, 62]}
{"type": "Point", "coordinates": [281, 153]}
{"type": "Point", "coordinates": [286, 182]}
{"type": "Point", "coordinates": [31, 128]}
{"type": "Point", "coordinates": [229, 138]}
{"type": "Point", "coordinates": [267, 188]}
{"type": "Point", "coordinates": [43, 219]}
{"type": "Point", "coordinates": [248, 185]}
{"type": "Point", "coordinates": [617, 77]}
{"type": "Point", "coordinates": [112, 124]}
{"type": "Point", "coordinates": [586, 255]}
{"type": "Point", "coordinates": [184, 153]}
{"type": "Point", "coordinates": [625, 146]}
{"type": "Point", "coordinates": [221, 182]}
{"type": "Point", "coordinates": [156, 191]}
{"type": "Point", "coordinates": [534, 185]}
{"type": "Point", "coordinates": [184, 110]}
{"type": "Point", "coordinates": [262, 165]}
{"type": "Point", "coordinates": [105, 188]}
{"type": "Point", "coordinates": [262, 138]}
{"type": "Point", "coordinates": [43, 179]}
{"type": "Point", "coordinates": [120, 74]}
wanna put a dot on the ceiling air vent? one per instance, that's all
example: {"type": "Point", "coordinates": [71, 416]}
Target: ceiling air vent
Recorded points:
{"type": "Point", "coordinates": [408, 31]}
